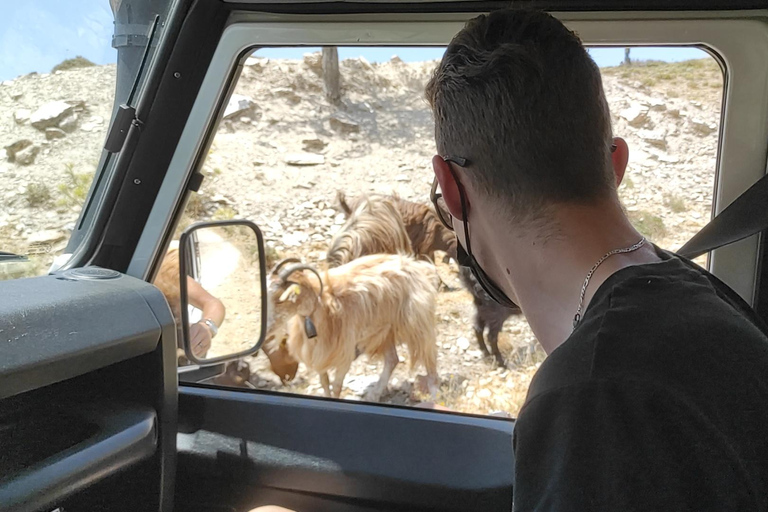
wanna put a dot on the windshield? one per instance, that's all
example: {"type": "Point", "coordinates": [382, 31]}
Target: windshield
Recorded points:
{"type": "Point", "coordinates": [64, 67]}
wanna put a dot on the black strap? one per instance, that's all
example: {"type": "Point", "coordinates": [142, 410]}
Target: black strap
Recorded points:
{"type": "Point", "coordinates": [744, 217]}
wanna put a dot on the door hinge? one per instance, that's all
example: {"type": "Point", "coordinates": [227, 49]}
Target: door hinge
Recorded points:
{"type": "Point", "coordinates": [124, 118]}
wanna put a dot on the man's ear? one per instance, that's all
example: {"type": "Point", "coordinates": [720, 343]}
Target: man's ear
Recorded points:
{"type": "Point", "coordinates": [449, 187]}
{"type": "Point", "coordinates": [620, 158]}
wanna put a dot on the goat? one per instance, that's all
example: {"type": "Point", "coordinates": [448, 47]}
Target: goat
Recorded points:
{"type": "Point", "coordinates": [427, 235]}
{"type": "Point", "coordinates": [367, 306]}
{"type": "Point", "coordinates": [373, 227]}
{"type": "Point", "coordinates": [425, 231]}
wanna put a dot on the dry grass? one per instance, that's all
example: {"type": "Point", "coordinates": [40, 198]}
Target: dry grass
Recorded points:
{"type": "Point", "coordinates": [697, 79]}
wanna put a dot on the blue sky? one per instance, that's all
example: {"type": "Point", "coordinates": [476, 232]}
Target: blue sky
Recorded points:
{"type": "Point", "coordinates": [35, 35]}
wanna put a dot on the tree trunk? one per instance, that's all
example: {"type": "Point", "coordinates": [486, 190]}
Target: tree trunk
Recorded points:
{"type": "Point", "coordinates": [331, 76]}
{"type": "Point", "coordinates": [627, 60]}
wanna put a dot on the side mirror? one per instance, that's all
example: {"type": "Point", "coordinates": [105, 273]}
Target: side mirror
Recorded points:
{"type": "Point", "coordinates": [223, 290]}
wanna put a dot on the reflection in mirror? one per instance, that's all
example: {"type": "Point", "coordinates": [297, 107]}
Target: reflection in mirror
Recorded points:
{"type": "Point", "coordinates": [223, 290]}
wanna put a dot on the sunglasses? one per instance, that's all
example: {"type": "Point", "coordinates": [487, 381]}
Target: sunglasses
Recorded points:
{"type": "Point", "coordinates": [446, 219]}
{"type": "Point", "coordinates": [437, 198]}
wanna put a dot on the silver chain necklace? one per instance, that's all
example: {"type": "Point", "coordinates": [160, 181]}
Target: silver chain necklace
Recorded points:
{"type": "Point", "coordinates": [577, 318]}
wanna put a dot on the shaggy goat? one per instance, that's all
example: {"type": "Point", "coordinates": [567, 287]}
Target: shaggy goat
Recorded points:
{"type": "Point", "coordinates": [367, 306]}
{"type": "Point", "coordinates": [425, 231]}
{"type": "Point", "coordinates": [373, 227]}
{"type": "Point", "coordinates": [427, 235]}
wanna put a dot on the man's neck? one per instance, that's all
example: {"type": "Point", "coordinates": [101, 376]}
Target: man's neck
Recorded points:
{"type": "Point", "coordinates": [546, 275]}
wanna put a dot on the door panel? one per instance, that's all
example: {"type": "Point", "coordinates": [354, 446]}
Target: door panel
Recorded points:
{"type": "Point", "coordinates": [87, 393]}
{"type": "Point", "coordinates": [234, 444]}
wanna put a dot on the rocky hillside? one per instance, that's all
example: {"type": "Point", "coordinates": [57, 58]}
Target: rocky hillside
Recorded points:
{"type": "Point", "coordinates": [282, 151]}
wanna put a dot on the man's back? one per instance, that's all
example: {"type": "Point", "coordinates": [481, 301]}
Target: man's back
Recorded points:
{"type": "Point", "coordinates": [658, 401]}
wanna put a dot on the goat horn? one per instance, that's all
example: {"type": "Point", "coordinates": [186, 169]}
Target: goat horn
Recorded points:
{"type": "Point", "coordinates": [280, 264]}
{"type": "Point", "coordinates": [295, 268]}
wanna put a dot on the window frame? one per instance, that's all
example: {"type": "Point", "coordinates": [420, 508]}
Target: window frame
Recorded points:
{"type": "Point", "coordinates": [738, 40]}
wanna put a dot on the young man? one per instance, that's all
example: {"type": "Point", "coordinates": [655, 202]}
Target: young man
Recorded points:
{"type": "Point", "coordinates": [655, 392]}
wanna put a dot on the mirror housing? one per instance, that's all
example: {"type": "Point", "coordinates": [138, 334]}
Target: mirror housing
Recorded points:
{"type": "Point", "coordinates": [192, 266]}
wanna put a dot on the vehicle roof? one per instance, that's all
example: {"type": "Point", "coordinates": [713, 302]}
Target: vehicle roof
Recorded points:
{"type": "Point", "coordinates": [551, 5]}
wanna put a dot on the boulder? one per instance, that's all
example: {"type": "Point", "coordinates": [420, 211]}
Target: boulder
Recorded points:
{"type": "Point", "coordinates": [93, 124]}
{"type": "Point", "coordinates": [22, 116]}
{"type": "Point", "coordinates": [343, 124]}
{"type": "Point", "coordinates": [12, 150]}
{"type": "Point", "coordinates": [701, 127]}
{"type": "Point", "coordinates": [237, 106]}
{"type": "Point", "coordinates": [655, 138]}
{"type": "Point", "coordinates": [27, 155]}
{"type": "Point", "coordinates": [288, 94]}
{"type": "Point", "coordinates": [69, 123]}
{"type": "Point", "coordinates": [636, 115]}
{"type": "Point", "coordinates": [314, 145]}
{"type": "Point", "coordinates": [314, 61]}
{"type": "Point", "coordinates": [52, 114]}
{"type": "Point", "coordinates": [54, 133]}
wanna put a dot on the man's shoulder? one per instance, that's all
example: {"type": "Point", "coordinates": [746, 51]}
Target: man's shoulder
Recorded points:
{"type": "Point", "coordinates": [667, 325]}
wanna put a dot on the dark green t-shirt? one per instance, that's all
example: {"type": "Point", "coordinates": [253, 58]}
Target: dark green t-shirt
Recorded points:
{"type": "Point", "coordinates": [657, 401]}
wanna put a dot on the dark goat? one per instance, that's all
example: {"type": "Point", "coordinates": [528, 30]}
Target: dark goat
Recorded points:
{"type": "Point", "coordinates": [488, 313]}
{"type": "Point", "coordinates": [428, 235]}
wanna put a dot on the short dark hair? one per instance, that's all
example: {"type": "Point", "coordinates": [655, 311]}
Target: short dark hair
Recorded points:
{"type": "Point", "coordinates": [518, 96]}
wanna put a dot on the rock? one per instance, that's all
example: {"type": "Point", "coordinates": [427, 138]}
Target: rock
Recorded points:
{"type": "Point", "coordinates": [47, 236]}
{"type": "Point", "coordinates": [93, 124]}
{"type": "Point", "coordinates": [257, 63]}
{"type": "Point", "coordinates": [657, 105]}
{"type": "Point", "coordinates": [701, 127]}
{"type": "Point", "coordinates": [288, 94]}
{"type": "Point", "coordinates": [314, 61]}
{"type": "Point", "coordinates": [69, 123]}
{"type": "Point", "coordinates": [27, 155]}
{"type": "Point", "coordinates": [12, 149]}
{"type": "Point", "coordinates": [636, 115]}
{"type": "Point", "coordinates": [462, 343]}
{"type": "Point", "coordinates": [22, 116]}
{"type": "Point", "coordinates": [54, 113]}
{"type": "Point", "coordinates": [303, 159]}
{"type": "Point", "coordinates": [669, 159]}
{"type": "Point", "coordinates": [294, 239]}
{"type": "Point", "coordinates": [484, 393]}
{"type": "Point", "coordinates": [396, 60]}
{"type": "Point", "coordinates": [402, 177]}
{"type": "Point", "coordinates": [654, 138]}
{"type": "Point", "coordinates": [237, 106]}
{"type": "Point", "coordinates": [343, 124]}
{"type": "Point", "coordinates": [54, 133]}
{"type": "Point", "coordinates": [314, 145]}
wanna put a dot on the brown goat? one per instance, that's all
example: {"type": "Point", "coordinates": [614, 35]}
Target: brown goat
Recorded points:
{"type": "Point", "coordinates": [425, 231]}
{"type": "Point", "coordinates": [373, 227]}
{"type": "Point", "coordinates": [367, 306]}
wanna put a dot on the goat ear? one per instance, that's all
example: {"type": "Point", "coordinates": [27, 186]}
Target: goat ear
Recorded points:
{"type": "Point", "coordinates": [291, 293]}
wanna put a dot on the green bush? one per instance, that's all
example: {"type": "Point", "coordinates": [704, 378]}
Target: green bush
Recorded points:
{"type": "Point", "coordinates": [37, 194]}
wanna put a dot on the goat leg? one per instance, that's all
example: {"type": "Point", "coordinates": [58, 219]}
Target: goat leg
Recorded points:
{"type": "Point", "coordinates": [493, 340]}
{"type": "Point", "coordinates": [390, 362]}
{"type": "Point", "coordinates": [338, 379]}
{"type": "Point", "coordinates": [479, 328]}
{"type": "Point", "coordinates": [326, 383]}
